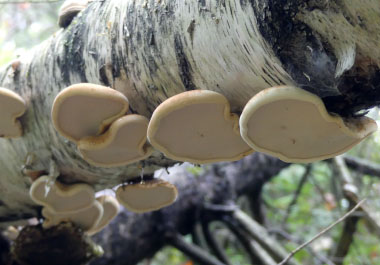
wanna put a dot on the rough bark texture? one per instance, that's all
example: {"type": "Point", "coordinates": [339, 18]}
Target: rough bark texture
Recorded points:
{"type": "Point", "coordinates": [153, 49]}
{"type": "Point", "coordinates": [133, 237]}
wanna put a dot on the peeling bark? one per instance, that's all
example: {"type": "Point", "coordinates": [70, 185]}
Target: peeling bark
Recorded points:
{"type": "Point", "coordinates": [153, 49]}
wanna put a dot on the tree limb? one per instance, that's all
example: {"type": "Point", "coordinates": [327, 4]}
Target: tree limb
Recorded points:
{"type": "Point", "coordinates": [362, 166]}
{"type": "Point", "coordinates": [341, 219]}
{"type": "Point", "coordinates": [297, 192]}
{"type": "Point", "coordinates": [192, 251]}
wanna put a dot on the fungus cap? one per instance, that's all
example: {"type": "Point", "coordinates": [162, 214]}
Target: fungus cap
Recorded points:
{"type": "Point", "coordinates": [147, 196]}
{"type": "Point", "coordinates": [294, 125]}
{"type": "Point", "coordinates": [197, 126]}
{"type": "Point", "coordinates": [122, 144]}
{"type": "Point", "coordinates": [68, 10]}
{"type": "Point", "coordinates": [11, 107]}
{"type": "Point", "coordinates": [110, 210]}
{"type": "Point", "coordinates": [84, 110]}
{"type": "Point", "coordinates": [62, 198]}
{"type": "Point", "coordinates": [86, 219]}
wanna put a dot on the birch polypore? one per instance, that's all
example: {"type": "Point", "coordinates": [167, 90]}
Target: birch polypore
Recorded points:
{"type": "Point", "coordinates": [197, 126]}
{"type": "Point", "coordinates": [123, 143]}
{"type": "Point", "coordinates": [12, 106]}
{"type": "Point", "coordinates": [86, 219]}
{"type": "Point", "coordinates": [84, 110]}
{"type": "Point", "coordinates": [110, 211]}
{"type": "Point", "coordinates": [293, 125]}
{"type": "Point", "coordinates": [68, 10]}
{"type": "Point", "coordinates": [147, 196]}
{"type": "Point", "coordinates": [57, 197]}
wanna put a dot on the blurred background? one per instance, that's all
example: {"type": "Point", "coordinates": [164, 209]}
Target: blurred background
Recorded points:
{"type": "Point", "coordinates": [298, 203]}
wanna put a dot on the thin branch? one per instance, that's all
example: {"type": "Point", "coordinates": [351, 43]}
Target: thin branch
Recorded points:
{"type": "Point", "coordinates": [242, 237]}
{"type": "Point", "coordinates": [194, 252]}
{"type": "Point", "coordinates": [260, 252]}
{"type": "Point", "coordinates": [351, 194]}
{"type": "Point", "coordinates": [213, 244]}
{"type": "Point", "coordinates": [297, 193]}
{"type": "Point", "coordinates": [261, 236]}
{"type": "Point", "coordinates": [321, 258]}
{"type": "Point", "coordinates": [362, 165]}
{"type": "Point", "coordinates": [291, 254]}
{"type": "Point", "coordinates": [346, 238]}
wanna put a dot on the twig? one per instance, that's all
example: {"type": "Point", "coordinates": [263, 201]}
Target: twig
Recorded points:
{"type": "Point", "coordinates": [242, 237]}
{"type": "Point", "coordinates": [297, 193]}
{"type": "Point", "coordinates": [346, 238]}
{"type": "Point", "coordinates": [194, 252]}
{"type": "Point", "coordinates": [362, 165]}
{"type": "Point", "coordinates": [321, 233]}
{"type": "Point", "coordinates": [261, 236]}
{"type": "Point", "coordinates": [213, 243]}
{"type": "Point", "coordinates": [322, 259]}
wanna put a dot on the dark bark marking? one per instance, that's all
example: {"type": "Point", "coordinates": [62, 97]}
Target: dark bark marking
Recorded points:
{"type": "Point", "coordinates": [191, 30]}
{"type": "Point", "coordinates": [185, 70]}
{"type": "Point", "coordinates": [310, 60]}
{"type": "Point", "coordinates": [305, 57]}
{"type": "Point", "coordinates": [103, 75]}
{"type": "Point", "coordinates": [72, 60]}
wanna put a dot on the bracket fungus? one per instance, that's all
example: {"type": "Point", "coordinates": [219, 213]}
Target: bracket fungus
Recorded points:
{"type": "Point", "coordinates": [12, 106]}
{"type": "Point", "coordinates": [68, 10]}
{"type": "Point", "coordinates": [294, 125]}
{"type": "Point", "coordinates": [86, 219]}
{"type": "Point", "coordinates": [197, 126]}
{"type": "Point", "coordinates": [147, 196]}
{"type": "Point", "coordinates": [84, 110]}
{"type": "Point", "coordinates": [110, 210]}
{"type": "Point", "coordinates": [58, 197]}
{"type": "Point", "coordinates": [122, 144]}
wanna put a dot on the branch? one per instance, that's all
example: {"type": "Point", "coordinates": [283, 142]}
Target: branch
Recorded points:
{"type": "Point", "coordinates": [194, 252]}
{"type": "Point", "coordinates": [362, 165]}
{"type": "Point", "coordinates": [287, 259]}
{"type": "Point", "coordinates": [260, 235]}
{"type": "Point", "coordinates": [243, 239]}
{"type": "Point", "coordinates": [322, 259]}
{"type": "Point", "coordinates": [346, 238]}
{"type": "Point", "coordinates": [213, 244]}
{"type": "Point", "coordinates": [297, 193]}
{"type": "Point", "coordinates": [260, 252]}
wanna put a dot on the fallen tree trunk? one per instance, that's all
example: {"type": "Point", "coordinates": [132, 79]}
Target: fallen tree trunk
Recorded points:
{"type": "Point", "coordinates": [151, 50]}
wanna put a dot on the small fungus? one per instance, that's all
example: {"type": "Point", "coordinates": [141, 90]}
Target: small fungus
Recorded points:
{"type": "Point", "coordinates": [84, 110]}
{"type": "Point", "coordinates": [294, 125]}
{"type": "Point", "coordinates": [68, 10]}
{"type": "Point", "coordinates": [110, 210]}
{"type": "Point", "coordinates": [197, 126]}
{"type": "Point", "coordinates": [147, 196]}
{"type": "Point", "coordinates": [122, 144]}
{"type": "Point", "coordinates": [61, 198]}
{"type": "Point", "coordinates": [86, 219]}
{"type": "Point", "coordinates": [12, 106]}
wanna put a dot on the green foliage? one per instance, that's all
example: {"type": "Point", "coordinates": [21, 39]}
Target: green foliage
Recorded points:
{"type": "Point", "coordinates": [24, 25]}
{"type": "Point", "coordinates": [168, 255]}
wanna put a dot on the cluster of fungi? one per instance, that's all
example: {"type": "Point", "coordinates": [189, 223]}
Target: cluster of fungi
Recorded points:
{"type": "Point", "coordinates": [194, 126]}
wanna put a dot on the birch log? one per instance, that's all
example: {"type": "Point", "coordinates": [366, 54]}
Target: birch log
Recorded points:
{"type": "Point", "coordinates": [151, 50]}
